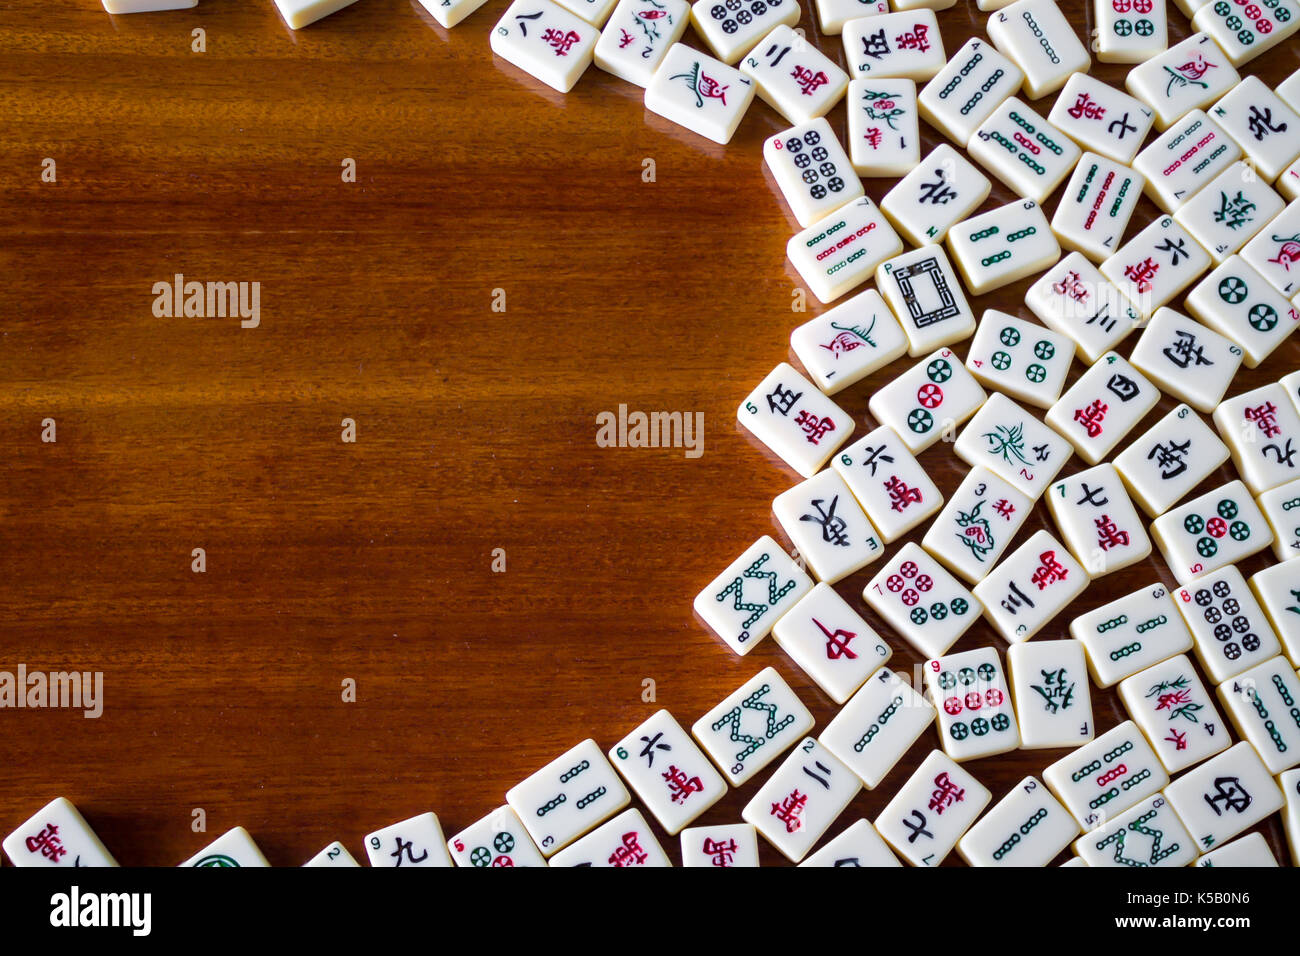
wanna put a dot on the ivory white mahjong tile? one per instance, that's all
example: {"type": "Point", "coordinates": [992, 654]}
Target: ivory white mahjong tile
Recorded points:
{"type": "Point", "coordinates": [1075, 861]}
{"type": "Point", "coordinates": [1014, 445]}
{"type": "Point", "coordinates": [1276, 248]}
{"type": "Point", "coordinates": [1218, 528]}
{"type": "Point", "coordinates": [1238, 302]}
{"type": "Point", "coordinates": [1023, 150]}
{"type": "Point", "coordinates": [1030, 587]}
{"type": "Point", "coordinates": [833, 14]}
{"type": "Point", "coordinates": [336, 855]}
{"type": "Point", "coordinates": [624, 841]}
{"type": "Point", "coordinates": [57, 835]}
{"type": "Point", "coordinates": [1248, 851]}
{"type": "Point", "coordinates": [235, 847]}
{"type": "Point", "coordinates": [847, 343]}
{"type": "Point", "coordinates": [731, 845]}
{"type": "Point", "coordinates": [801, 800]}
{"type": "Point", "coordinates": [793, 77]}
{"type": "Point", "coordinates": [1261, 428]}
{"type": "Point", "coordinates": [415, 842]}
{"type": "Point", "coordinates": [828, 527]}
{"type": "Point", "coordinates": [906, 44]}
{"type": "Point", "coordinates": [1097, 520]}
{"type": "Point", "coordinates": [1049, 687]}
{"type": "Point", "coordinates": [1183, 159]}
{"type": "Point", "coordinates": [1100, 118]}
{"type": "Point", "coordinates": [837, 254]}
{"type": "Point", "coordinates": [1106, 777]}
{"type": "Point", "coordinates": [884, 127]}
{"type": "Point", "coordinates": [888, 482]}
{"type": "Point", "coordinates": [1150, 834]}
{"type": "Point", "coordinates": [449, 13]}
{"type": "Point", "coordinates": [976, 525]}
{"type": "Point", "coordinates": [569, 796]}
{"type": "Point", "coordinates": [752, 726]}
{"type": "Point", "coordinates": [1231, 208]}
{"type": "Point", "coordinates": [1189, 75]}
{"type": "Point", "coordinates": [923, 292]}
{"type": "Point", "coordinates": [1229, 627]}
{"type": "Point", "coordinates": [1224, 796]}
{"type": "Point", "coordinates": [1189, 7]}
{"type": "Point", "coordinates": [667, 771]}
{"type": "Point", "coordinates": [637, 37]}
{"type": "Point", "coordinates": [935, 195]}
{"type": "Point", "coordinates": [919, 4]}
{"type": "Point", "coordinates": [857, 845]}
{"type": "Point", "coordinates": [1176, 712]}
{"type": "Point", "coordinates": [925, 604]}
{"type": "Point", "coordinates": [1243, 41]}
{"type": "Point", "coordinates": [1039, 39]}
{"type": "Point", "coordinates": [1277, 588]}
{"type": "Point", "coordinates": [704, 95]}
{"type": "Point", "coordinates": [1290, 783]}
{"type": "Point", "coordinates": [297, 13]}
{"type": "Point", "coordinates": [1130, 31]}
{"type": "Point", "coordinates": [1131, 633]}
{"type": "Point", "coordinates": [1263, 704]}
{"type": "Point", "coordinates": [976, 716]}
{"type": "Point", "coordinates": [792, 417]}
{"type": "Point", "coordinates": [1003, 246]}
{"type": "Point", "coordinates": [1096, 206]}
{"type": "Point", "coordinates": [812, 170]}
{"type": "Point", "coordinates": [1167, 461]}
{"type": "Point", "coordinates": [931, 398]}
{"type": "Point", "coordinates": [1073, 298]}
{"type": "Point", "coordinates": [968, 89]}
{"type": "Point", "coordinates": [831, 642]}
{"type": "Point", "coordinates": [1291, 383]}
{"type": "Point", "coordinates": [937, 805]}
{"type": "Point", "coordinates": [1266, 129]}
{"type": "Point", "coordinates": [1185, 359]}
{"type": "Point", "coordinates": [595, 12]}
{"type": "Point", "coordinates": [1288, 184]}
{"type": "Point", "coordinates": [1020, 358]}
{"type": "Point", "coordinates": [732, 27]}
{"type": "Point", "coordinates": [122, 7]}
{"type": "Point", "coordinates": [1027, 827]}
{"type": "Point", "coordinates": [742, 603]}
{"type": "Point", "coordinates": [498, 839]}
{"type": "Point", "coordinates": [1103, 406]}
{"type": "Point", "coordinates": [1289, 90]}
{"type": "Point", "coordinates": [877, 726]}
{"type": "Point", "coordinates": [545, 40]}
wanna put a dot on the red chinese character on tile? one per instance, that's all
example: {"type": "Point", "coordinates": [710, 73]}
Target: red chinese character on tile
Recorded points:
{"type": "Point", "coordinates": [1265, 419]}
{"type": "Point", "coordinates": [814, 428]}
{"type": "Point", "coordinates": [1142, 273]}
{"type": "Point", "coordinates": [790, 810]}
{"type": "Point", "coordinates": [1108, 533]}
{"type": "Point", "coordinates": [1091, 417]}
{"type": "Point", "coordinates": [1049, 570]}
{"type": "Point", "coordinates": [900, 495]}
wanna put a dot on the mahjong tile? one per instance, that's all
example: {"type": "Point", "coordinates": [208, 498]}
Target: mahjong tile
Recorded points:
{"type": "Point", "coordinates": [789, 415]}
{"type": "Point", "coordinates": [937, 805]}
{"type": "Point", "coordinates": [1049, 687]}
{"type": "Point", "coordinates": [742, 603]}
{"type": "Point", "coordinates": [837, 254]}
{"type": "Point", "coordinates": [1106, 777]}
{"type": "Point", "coordinates": [1014, 445]}
{"type": "Point", "coordinates": [1130, 634]}
{"type": "Point", "coordinates": [918, 4]}
{"type": "Point", "coordinates": [637, 37]}
{"type": "Point", "coordinates": [1150, 834]}
{"type": "Point", "coordinates": [976, 716]}
{"type": "Point", "coordinates": [794, 77]}
{"type": "Point", "coordinates": [57, 835]}
{"type": "Point", "coordinates": [1167, 461]}
{"type": "Point", "coordinates": [732, 27]}
{"type": "Point", "coordinates": [928, 401]}
{"type": "Point", "coordinates": [336, 854]}
{"type": "Point", "coordinates": [1238, 302]}
{"type": "Point", "coordinates": [545, 40]}
{"type": "Point", "coordinates": [1189, 7]}
{"type": "Point", "coordinates": [801, 800]}
{"type": "Point", "coordinates": [624, 841]}
{"type": "Point", "coordinates": [448, 13]}
{"type": "Point", "coordinates": [1276, 249]}
{"type": "Point", "coordinates": [1263, 704]}
{"type": "Point", "coordinates": [1189, 75]}
{"type": "Point", "coordinates": [857, 845]}
{"type": "Point", "coordinates": [844, 345]}
{"type": "Point", "coordinates": [1073, 298]}
{"type": "Point", "coordinates": [831, 642]}
{"type": "Point", "coordinates": [1039, 39]}
{"type": "Point", "coordinates": [1003, 246]}
{"type": "Point", "coordinates": [828, 527]}
{"type": "Point", "coordinates": [1224, 796]}
{"type": "Point", "coordinates": [812, 169]}
{"type": "Point", "coordinates": [1097, 520]}
{"type": "Point", "coordinates": [935, 195]}
{"type": "Point", "coordinates": [1289, 90]}
{"type": "Point", "coordinates": [1229, 627]}
{"type": "Point", "coordinates": [1290, 783]}
{"type": "Point", "coordinates": [498, 839]}
{"type": "Point", "coordinates": [884, 127]}
{"type": "Point", "coordinates": [670, 774]}
{"type": "Point", "coordinates": [922, 289]}
{"type": "Point", "coordinates": [1185, 359]}
{"type": "Point", "coordinates": [1027, 827]}
{"type": "Point", "coordinates": [1261, 428]}
{"type": "Point", "coordinates": [1288, 184]}
{"type": "Point", "coordinates": [595, 12]}
{"type": "Point", "coordinates": [1277, 588]}
{"type": "Point", "coordinates": [1249, 851]}
{"type": "Point", "coordinates": [1022, 149]}
{"type": "Point", "coordinates": [236, 848]}
{"type": "Point", "coordinates": [833, 14]}
{"type": "Point", "coordinates": [1176, 712]}
{"type": "Point", "coordinates": [975, 81]}
{"type": "Point", "coordinates": [1291, 383]}
{"type": "Point", "coordinates": [1075, 861]}
{"type": "Point", "coordinates": [696, 91]}
{"type": "Point", "coordinates": [1096, 206]}
{"type": "Point", "coordinates": [925, 604]}
{"type": "Point", "coordinates": [906, 44]}
{"type": "Point", "coordinates": [1103, 406]}
{"type": "Point", "coordinates": [1020, 358]}
{"type": "Point", "coordinates": [877, 726]}
{"type": "Point", "coordinates": [1030, 587]}
{"type": "Point", "coordinates": [573, 793]}
{"type": "Point", "coordinates": [752, 726]}
{"type": "Point", "coordinates": [1266, 129]}
{"type": "Point", "coordinates": [888, 482]}
{"type": "Point", "coordinates": [1100, 118]}
{"type": "Point", "coordinates": [1183, 159]}
{"type": "Point", "coordinates": [977, 523]}
{"type": "Point", "coordinates": [729, 845]}
{"type": "Point", "coordinates": [1242, 42]}
{"type": "Point", "coordinates": [1229, 211]}
{"type": "Point", "coordinates": [297, 13]}
{"type": "Point", "coordinates": [1216, 529]}
{"type": "Point", "coordinates": [1130, 31]}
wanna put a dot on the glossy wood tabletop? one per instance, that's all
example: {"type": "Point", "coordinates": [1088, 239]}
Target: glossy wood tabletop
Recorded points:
{"type": "Point", "coordinates": [373, 560]}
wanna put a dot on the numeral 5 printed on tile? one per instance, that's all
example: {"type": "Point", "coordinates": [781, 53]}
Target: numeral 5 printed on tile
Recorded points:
{"type": "Point", "coordinates": [667, 771]}
{"type": "Point", "coordinates": [922, 601]}
{"type": "Point", "coordinates": [498, 839]}
{"type": "Point", "coordinates": [1219, 528]}
{"type": "Point", "coordinates": [1023, 150]}
{"type": "Point", "coordinates": [753, 726]}
{"type": "Point", "coordinates": [905, 45]}
{"type": "Point", "coordinates": [1108, 776]}
{"type": "Point", "coordinates": [742, 603]}
{"type": "Point", "coordinates": [567, 797]}
{"type": "Point", "coordinates": [1098, 521]}
{"type": "Point", "coordinates": [976, 716]}
{"type": "Point", "coordinates": [889, 482]}
{"type": "Point", "coordinates": [801, 799]}
{"type": "Point", "coordinates": [795, 420]}
{"type": "Point", "coordinates": [934, 396]}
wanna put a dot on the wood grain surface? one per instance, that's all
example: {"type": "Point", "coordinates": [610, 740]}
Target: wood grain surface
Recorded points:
{"type": "Point", "coordinates": [475, 429]}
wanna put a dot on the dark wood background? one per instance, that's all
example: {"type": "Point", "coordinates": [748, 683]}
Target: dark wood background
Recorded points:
{"type": "Point", "coordinates": [476, 430]}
